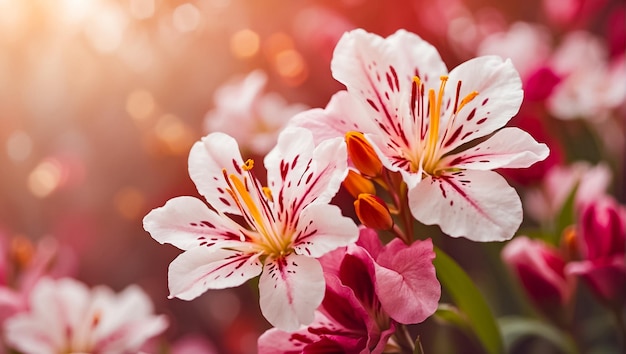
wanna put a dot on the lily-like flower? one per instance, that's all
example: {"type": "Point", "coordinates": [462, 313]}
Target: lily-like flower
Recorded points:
{"type": "Point", "coordinates": [439, 130]}
{"type": "Point", "coordinates": [66, 316]}
{"type": "Point", "coordinates": [277, 231]}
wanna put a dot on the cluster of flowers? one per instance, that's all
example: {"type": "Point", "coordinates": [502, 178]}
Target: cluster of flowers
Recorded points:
{"type": "Point", "coordinates": [410, 141]}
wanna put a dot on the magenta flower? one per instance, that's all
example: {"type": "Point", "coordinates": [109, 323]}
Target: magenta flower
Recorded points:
{"type": "Point", "coordinates": [424, 123]}
{"type": "Point", "coordinates": [602, 239]}
{"type": "Point", "coordinates": [370, 289]}
{"type": "Point", "coordinates": [277, 231]}
{"type": "Point", "coordinates": [541, 271]}
{"type": "Point", "coordinates": [67, 317]}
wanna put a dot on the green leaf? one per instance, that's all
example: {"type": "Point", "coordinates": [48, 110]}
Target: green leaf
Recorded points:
{"type": "Point", "coordinates": [470, 301]}
{"type": "Point", "coordinates": [516, 328]}
{"type": "Point", "coordinates": [565, 217]}
{"type": "Point", "coordinates": [418, 346]}
{"type": "Point", "coordinates": [451, 315]}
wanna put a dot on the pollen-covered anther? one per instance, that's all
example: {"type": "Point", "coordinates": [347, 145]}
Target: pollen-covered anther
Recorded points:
{"type": "Point", "coordinates": [569, 243]}
{"type": "Point", "coordinates": [362, 154]}
{"type": "Point", "coordinates": [373, 212]}
{"type": "Point", "coordinates": [355, 184]}
{"type": "Point", "coordinates": [248, 165]}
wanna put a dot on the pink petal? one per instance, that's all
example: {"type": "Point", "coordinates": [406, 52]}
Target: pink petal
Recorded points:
{"type": "Point", "coordinates": [478, 205]}
{"type": "Point", "coordinates": [207, 159]}
{"type": "Point", "coordinates": [199, 269]}
{"type": "Point", "coordinates": [321, 229]}
{"type": "Point", "coordinates": [406, 283]}
{"type": "Point", "coordinates": [300, 173]}
{"type": "Point", "coordinates": [290, 289]}
{"type": "Point", "coordinates": [507, 148]}
{"type": "Point", "coordinates": [379, 72]}
{"type": "Point", "coordinates": [342, 114]}
{"type": "Point", "coordinates": [187, 222]}
{"type": "Point", "coordinates": [499, 98]}
{"type": "Point", "coordinates": [370, 241]}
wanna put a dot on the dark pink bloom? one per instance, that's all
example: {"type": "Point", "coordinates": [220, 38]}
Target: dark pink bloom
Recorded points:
{"type": "Point", "coordinates": [541, 270]}
{"type": "Point", "coordinates": [370, 288]}
{"type": "Point", "coordinates": [602, 235]}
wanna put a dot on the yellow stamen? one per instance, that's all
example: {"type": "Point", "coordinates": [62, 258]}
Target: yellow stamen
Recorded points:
{"type": "Point", "coordinates": [249, 202]}
{"type": "Point", "coordinates": [248, 165]}
{"type": "Point", "coordinates": [435, 116]}
{"type": "Point", "coordinates": [268, 193]}
{"type": "Point", "coordinates": [467, 99]}
{"type": "Point", "coordinates": [417, 80]}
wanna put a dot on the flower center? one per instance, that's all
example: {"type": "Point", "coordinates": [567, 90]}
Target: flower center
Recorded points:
{"type": "Point", "coordinates": [254, 203]}
{"type": "Point", "coordinates": [429, 151]}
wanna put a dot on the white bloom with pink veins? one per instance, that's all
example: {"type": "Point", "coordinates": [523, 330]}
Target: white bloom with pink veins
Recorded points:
{"type": "Point", "coordinates": [591, 86]}
{"type": "Point", "coordinates": [278, 231]}
{"type": "Point", "coordinates": [252, 116]}
{"type": "Point", "coordinates": [67, 317]}
{"type": "Point", "coordinates": [420, 118]}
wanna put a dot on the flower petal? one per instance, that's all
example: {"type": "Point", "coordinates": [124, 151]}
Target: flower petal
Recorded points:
{"type": "Point", "coordinates": [507, 148]}
{"type": "Point", "coordinates": [499, 98]}
{"type": "Point", "coordinates": [478, 205]}
{"type": "Point", "coordinates": [199, 269]}
{"type": "Point", "coordinates": [342, 114]}
{"type": "Point", "coordinates": [207, 160]}
{"type": "Point", "coordinates": [406, 283]}
{"type": "Point", "coordinates": [379, 72]}
{"type": "Point", "coordinates": [187, 222]}
{"type": "Point", "coordinates": [290, 289]}
{"type": "Point", "coordinates": [299, 173]}
{"type": "Point", "coordinates": [321, 229]}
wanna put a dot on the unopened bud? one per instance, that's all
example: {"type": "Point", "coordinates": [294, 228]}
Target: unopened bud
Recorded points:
{"type": "Point", "coordinates": [362, 154]}
{"type": "Point", "coordinates": [373, 212]}
{"type": "Point", "coordinates": [356, 184]}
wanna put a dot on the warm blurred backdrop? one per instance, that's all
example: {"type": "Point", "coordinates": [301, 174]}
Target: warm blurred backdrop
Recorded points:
{"type": "Point", "coordinates": [100, 101]}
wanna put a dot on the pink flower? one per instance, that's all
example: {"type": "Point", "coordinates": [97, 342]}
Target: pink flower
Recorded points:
{"type": "Point", "coordinates": [244, 111]}
{"type": "Point", "coordinates": [541, 270]}
{"type": "Point", "coordinates": [277, 231]}
{"type": "Point", "coordinates": [66, 316]}
{"type": "Point", "coordinates": [602, 238]}
{"type": "Point", "coordinates": [420, 118]}
{"type": "Point", "coordinates": [370, 288]}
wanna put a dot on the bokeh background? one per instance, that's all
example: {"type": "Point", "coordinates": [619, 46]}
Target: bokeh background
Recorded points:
{"type": "Point", "coordinates": [100, 101]}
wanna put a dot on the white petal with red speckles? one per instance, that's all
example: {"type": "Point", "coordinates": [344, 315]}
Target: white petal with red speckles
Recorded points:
{"type": "Point", "coordinates": [299, 173]}
{"type": "Point", "coordinates": [290, 290]}
{"type": "Point", "coordinates": [321, 229]}
{"type": "Point", "coordinates": [478, 205]}
{"type": "Point", "coordinates": [187, 222]}
{"type": "Point", "coordinates": [199, 269]}
{"type": "Point", "coordinates": [499, 98]}
{"type": "Point", "coordinates": [507, 148]}
{"type": "Point", "coordinates": [207, 159]}
{"type": "Point", "coordinates": [379, 72]}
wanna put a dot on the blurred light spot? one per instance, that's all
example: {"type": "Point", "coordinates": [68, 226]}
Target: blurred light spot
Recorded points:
{"type": "Point", "coordinates": [74, 12]}
{"type": "Point", "coordinates": [141, 9]}
{"type": "Point", "coordinates": [291, 66]}
{"type": "Point", "coordinates": [173, 132]}
{"type": "Point", "coordinates": [19, 146]}
{"type": "Point", "coordinates": [244, 43]}
{"type": "Point", "coordinates": [129, 202]}
{"type": "Point", "coordinates": [140, 104]}
{"type": "Point", "coordinates": [13, 20]}
{"type": "Point", "coordinates": [105, 30]}
{"type": "Point", "coordinates": [277, 43]}
{"type": "Point", "coordinates": [186, 18]}
{"type": "Point", "coordinates": [221, 300]}
{"type": "Point", "coordinates": [45, 178]}
{"type": "Point", "coordinates": [22, 251]}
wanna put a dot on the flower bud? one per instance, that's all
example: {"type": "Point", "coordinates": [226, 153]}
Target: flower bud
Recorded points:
{"type": "Point", "coordinates": [602, 228]}
{"type": "Point", "coordinates": [362, 154]}
{"type": "Point", "coordinates": [356, 184]}
{"type": "Point", "coordinates": [540, 269]}
{"type": "Point", "coordinates": [373, 212]}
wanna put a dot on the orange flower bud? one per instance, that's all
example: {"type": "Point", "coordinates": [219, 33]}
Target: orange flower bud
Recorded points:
{"type": "Point", "coordinates": [356, 184]}
{"type": "Point", "coordinates": [373, 212]}
{"type": "Point", "coordinates": [362, 154]}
